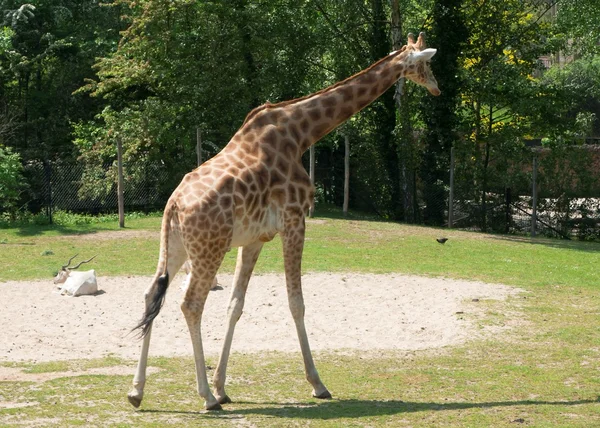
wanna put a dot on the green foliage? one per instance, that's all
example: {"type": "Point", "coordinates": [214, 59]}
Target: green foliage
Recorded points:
{"type": "Point", "coordinates": [150, 73]}
{"type": "Point", "coordinates": [577, 27]}
{"type": "Point", "coordinates": [11, 180]}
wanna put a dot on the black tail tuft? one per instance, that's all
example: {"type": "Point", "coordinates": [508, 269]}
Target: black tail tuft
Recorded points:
{"type": "Point", "coordinates": [155, 305]}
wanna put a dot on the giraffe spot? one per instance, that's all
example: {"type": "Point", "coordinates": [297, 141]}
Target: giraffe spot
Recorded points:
{"type": "Point", "coordinates": [367, 79]}
{"type": "Point", "coordinates": [329, 101]}
{"type": "Point", "coordinates": [363, 103]}
{"type": "Point", "coordinates": [386, 73]}
{"type": "Point", "coordinates": [264, 198]}
{"type": "Point", "coordinates": [226, 202]}
{"type": "Point", "coordinates": [261, 121]}
{"type": "Point", "coordinates": [262, 178]}
{"type": "Point", "coordinates": [297, 113]}
{"type": "Point", "coordinates": [347, 94]}
{"type": "Point", "coordinates": [312, 104]}
{"type": "Point", "coordinates": [361, 91]}
{"type": "Point", "coordinates": [329, 113]}
{"type": "Point", "coordinates": [295, 133]}
{"type": "Point", "coordinates": [295, 213]}
{"type": "Point", "coordinates": [241, 187]}
{"type": "Point", "coordinates": [276, 178]}
{"type": "Point", "coordinates": [275, 115]}
{"type": "Point", "coordinates": [374, 91]}
{"type": "Point", "coordinates": [292, 196]}
{"type": "Point", "coordinates": [251, 203]}
{"type": "Point", "coordinates": [288, 148]}
{"type": "Point", "coordinates": [278, 195]}
{"type": "Point", "coordinates": [270, 137]}
{"type": "Point", "coordinates": [268, 156]}
{"type": "Point", "coordinates": [304, 125]}
{"type": "Point", "coordinates": [299, 176]}
{"type": "Point", "coordinates": [282, 166]}
{"type": "Point", "coordinates": [301, 194]}
{"type": "Point", "coordinates": [346, 112]}
{"type": "Point", "coordinates": [314, 114]}
{"type": "Point", "coordinates": [320, 130]}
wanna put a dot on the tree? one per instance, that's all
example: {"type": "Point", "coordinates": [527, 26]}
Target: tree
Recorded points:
{"type": "Point", "coordinates": [448, 33]}
{"type": "Point", "coordinates": [11, 180]}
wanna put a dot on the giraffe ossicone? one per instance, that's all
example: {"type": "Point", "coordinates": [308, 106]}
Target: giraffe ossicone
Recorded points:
{"type": "Point", "coordinates": [255, 188]}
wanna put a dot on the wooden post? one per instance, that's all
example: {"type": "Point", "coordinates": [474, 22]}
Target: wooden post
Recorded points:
{"type": "Point", "coordinates": [534, 197]}
{"type": "Point", "coordinates": [451, 196]}
{"type": "Point", "coordinates": [120, 198]}
{"type": "Point", "coordinates": [311, 172]}
{"type": "Point", "coordinates": [199, 146]}
{"type": "Point", "coordinates": [346, 174]}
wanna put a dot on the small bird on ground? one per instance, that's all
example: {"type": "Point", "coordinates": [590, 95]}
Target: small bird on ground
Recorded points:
{"type": "Point", "coordinates": [442, 240]}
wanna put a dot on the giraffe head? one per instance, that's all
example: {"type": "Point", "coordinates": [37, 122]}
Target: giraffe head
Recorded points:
{"type": "Point", "coordinates": [420, 56]}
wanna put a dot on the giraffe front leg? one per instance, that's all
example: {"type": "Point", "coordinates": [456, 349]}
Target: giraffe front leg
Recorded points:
{"type": "Point", "coordinates": [246, 260]}
{"type": "Point", "coordinates": [293, 244]}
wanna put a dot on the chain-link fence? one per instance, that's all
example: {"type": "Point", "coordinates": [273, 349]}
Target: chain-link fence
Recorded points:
{"type": "Point", "coordinates": [545, 192]}
{"type": "Point", "coordinates": [70, 187]}
{"type": "Point", "coordinates": [566, 201]}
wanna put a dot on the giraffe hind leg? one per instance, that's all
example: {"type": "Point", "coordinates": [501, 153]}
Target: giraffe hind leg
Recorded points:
{"type": "Point", "coordinates": [154, 297]}
{"type": "Point", "coordinates": [203, 272]}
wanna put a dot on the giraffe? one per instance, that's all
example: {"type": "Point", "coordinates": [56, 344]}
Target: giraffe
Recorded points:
{"type": "Point", "coordinates": [255, 188]}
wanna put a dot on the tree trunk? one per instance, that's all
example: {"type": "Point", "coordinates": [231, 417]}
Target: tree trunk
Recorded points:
{"type": "Point", "coordinates": [405, 140]}
{"type": "Point", "coordinates": [198, 147]}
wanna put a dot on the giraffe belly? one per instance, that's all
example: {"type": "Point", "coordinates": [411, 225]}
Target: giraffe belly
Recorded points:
{"type": "Point", "coordinates": [247, 232]}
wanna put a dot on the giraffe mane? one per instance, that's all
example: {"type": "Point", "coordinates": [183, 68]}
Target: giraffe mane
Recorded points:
{"type": "Point", "coordinates": [265, 106]}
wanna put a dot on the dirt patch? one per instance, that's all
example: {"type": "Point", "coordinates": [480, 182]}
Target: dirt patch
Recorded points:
{"type": "Point", "coordinates": [343, 312]}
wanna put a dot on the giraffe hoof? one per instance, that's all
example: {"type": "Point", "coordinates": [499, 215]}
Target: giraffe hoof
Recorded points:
{"type": "Point", "coordinates": [134, 399]}
{"type": "Point", "coordinates": [215, 406]}
{"type": "Point", "coordinates": [325, 395]}
{"type": "Point", "coordinates": [224, 399]}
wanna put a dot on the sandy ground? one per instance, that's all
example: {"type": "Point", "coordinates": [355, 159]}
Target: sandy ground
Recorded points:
{"type": "Point", "coordinates": [343, 312]}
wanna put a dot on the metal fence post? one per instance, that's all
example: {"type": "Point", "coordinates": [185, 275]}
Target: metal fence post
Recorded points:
{"type": "Point", "coordinates": [120, 197]}
{"type": "Point", "coordinates": [346, 174]}
{"type": "Point", "coordinates": [451, 196]}
{"type": "Point", "coordinates": [311, 212]}
{"type": "Point", "coordinates": [534, 197]}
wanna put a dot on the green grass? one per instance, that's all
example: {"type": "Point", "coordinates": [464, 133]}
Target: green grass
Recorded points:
{"type": "Point", "coordinates": [332, 245]}
{"type": "Point", "coordinates": [543, 372]}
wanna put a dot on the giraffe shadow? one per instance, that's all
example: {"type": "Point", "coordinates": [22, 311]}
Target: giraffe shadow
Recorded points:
{"type": "Point", "coordinates": [334, 409]}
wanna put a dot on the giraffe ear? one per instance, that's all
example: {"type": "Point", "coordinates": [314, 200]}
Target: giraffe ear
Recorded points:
{"type": "Point", "coordinates": [425, 54]}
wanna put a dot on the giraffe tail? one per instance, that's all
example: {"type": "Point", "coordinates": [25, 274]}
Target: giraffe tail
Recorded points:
{"type": "Point", "coordinates": [155, 297]}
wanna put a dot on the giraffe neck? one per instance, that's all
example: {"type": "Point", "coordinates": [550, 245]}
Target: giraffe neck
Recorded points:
{"type": "Point", "coordinates": [308, 119]}
{"type": "Point", "coordinates": [327, 109]}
